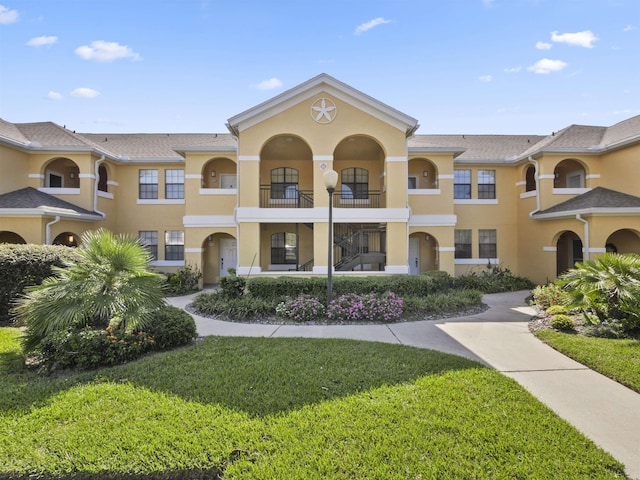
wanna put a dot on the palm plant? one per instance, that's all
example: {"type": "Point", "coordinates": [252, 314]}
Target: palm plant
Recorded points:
{"type": "Point", "coordinates": [607, 287]}
{"type": "Point", "coordinates": [110, 286]}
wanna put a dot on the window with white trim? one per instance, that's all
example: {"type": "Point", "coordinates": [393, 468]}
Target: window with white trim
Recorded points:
{"type": "Point", "coordinates": [174, 183]}
{"type": "Point", "coordinates": [487, 244]}
{"type": "Point", "coordinates": [284, 248]}
{"type": "Point", "coordinates": [148, 184]}
{"type": "Point", "coordinates": [174, 245]}
{"type": "Point", "coordinates": [462, 243]}
{"type": "Point", "coordinates": [149, 239]}
{"type": "Point", "coordinates": [486, 184]}
{"type": "Point", "coordinates": [462, 184]}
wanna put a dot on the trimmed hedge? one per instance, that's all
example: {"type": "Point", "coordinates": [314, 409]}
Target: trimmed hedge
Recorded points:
{"type": "Point", "coordinates": [25, 265]}
{"type": "Point", "coordinates": [401, 285]}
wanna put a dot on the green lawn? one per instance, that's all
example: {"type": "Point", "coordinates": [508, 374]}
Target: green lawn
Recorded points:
{"type": "Point", "coordinates": [257, 408]}
{"type": "Point", "coordinates": [618, 359]}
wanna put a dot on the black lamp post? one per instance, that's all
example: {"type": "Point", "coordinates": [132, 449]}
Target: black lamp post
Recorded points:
{"type": "Point", "coordinates": [330, 181]}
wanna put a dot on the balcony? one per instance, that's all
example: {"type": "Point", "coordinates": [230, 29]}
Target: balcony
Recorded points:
{"type": "Point", "coordinates": [347, 199]}
{"type": "Point", "coordinates": [285, 196]}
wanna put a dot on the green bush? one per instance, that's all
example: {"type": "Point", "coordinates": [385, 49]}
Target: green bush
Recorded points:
{"type": "Point", "coordinates": [494, 280]}
{"type": "Point", "coordinates": [243, 308]}
{"type": "Point", "coordinates": [233, 287]}
{"type": "Point", "coordinates": [171, 327]}
{"type": "Point", "coordinates": [439, 303]}
{"type": "Point", "coordinates": [26, 265]}
{"type": "Point", "coordinates": [545, 296]}
{"type": "Point", "coordinates": [556, 309]}
{"type": "Point", "coordinates": [562, 322]}
{"type": "Point", "coordinates": [303, 308]}
{"type": "Point", "coordinates": [183, 282]}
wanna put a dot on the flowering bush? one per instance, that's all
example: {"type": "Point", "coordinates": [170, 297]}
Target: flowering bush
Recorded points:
{"type": "Point", "coordinates": [544, 296]}
{"type": "Point", "coordinates": [386, 307]}
{"type": "Point", "coordinates": [303, 308]}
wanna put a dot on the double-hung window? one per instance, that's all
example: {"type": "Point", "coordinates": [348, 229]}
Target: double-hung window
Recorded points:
{"type": "Point", "coordinates": [284, 183]}
{"type": "Point", "coordinates": [174, 183]}
{"type": "Point", "coordinates": [149, 239]}
{"type": "Point", "coordinates": [355, 183]}
{"type": "Point", "coordinates": [487, 244]}
{"type": "Point", "coordinates": [148, 184]}
{"type": "Point", "coordinates": [462, 184]}
{"type": "Point", "coordinates": [462, 243]}
{"type": "Point", "coordinates": [174, 245]}
{"type": "Point", "coordinates": [486, 184]}
{"type": "Point", "coordinates": [284, 248]}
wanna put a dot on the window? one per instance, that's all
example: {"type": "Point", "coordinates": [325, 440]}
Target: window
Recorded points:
{"type": "Point", "coordinates": [102, 178]}
{"type": "Point", "coordinates": [462, 184]}
{"type": "Point", "coordinates": [462, 243]}
{"type": "Point", "coordinates": [355, 183]}
{"type": "Point", "coordinates": [486, 184]}
{"type": "Point", "coordinates": [412, 183]}
{"type": "Point", "coordinates": [487, 244]}
{"type": "Point", "coordinates": [283, 248]}
{"type": "Point", "coordinates": [174, 245]}
{"type": "Point", "coordinates": [530, 179]}
{"type": "Point", "coordinates": [174, 183]}
{"type": "Point", "coordinates": [284, 183]}
{"type": "Point", "coordinates": [148, 184]}
{"type": "Point", "coordinates": [150, 241]}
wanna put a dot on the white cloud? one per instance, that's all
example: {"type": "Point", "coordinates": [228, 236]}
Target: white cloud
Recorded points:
{"type": "Point", "coordinates": [485, 78]}
{"type": "Point", "coordinates": [102, 51]}
{"type": "Point", "coordinates": [628, 28]}
{"type": "Point", "coordinates": [8, 16]}
{"type": "Point", "coordinates": [85, 93]}
{"type": "Point", "coordinates": [546, 66]}
{"type": "Point", "coordinates": [370, 24]}
{"type": "Point", "coordinates": [488, 3]}
{"type": "Point", "coordinates": [54, 96]}
{"type": "Point", "coordinates": [543, 46]}
{"type": "Point", "coordinates": [512, 69]}
{"type": "Point", "coordinates": [40, 41]}
{"type": "Point", "coordinates": [269, 84]}
{"type": "Point", "coordinates": [580, 39]}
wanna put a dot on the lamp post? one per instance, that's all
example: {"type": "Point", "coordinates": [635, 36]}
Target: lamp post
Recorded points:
{"type": "Point", "coordinates": [330, 178]}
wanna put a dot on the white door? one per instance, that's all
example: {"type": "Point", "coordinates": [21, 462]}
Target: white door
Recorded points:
{"type": "Point", "coordinates": [414, 255]}
{"type": "Point", "coordinates": [228, 255]}
{"type": "Point", "coordinates": [228, 181]}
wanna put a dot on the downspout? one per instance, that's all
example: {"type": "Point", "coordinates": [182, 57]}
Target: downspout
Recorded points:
{"type": "Point", "coordinates": [95, 187]}
{"type": "Point", "coordinates": [586, 235]}
{"type": "Point", "coordinates": [537, 179]}
{"type": "Point", "coordinates": [47, 235]}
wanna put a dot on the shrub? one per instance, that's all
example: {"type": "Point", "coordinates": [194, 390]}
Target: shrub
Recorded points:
{"type": "Point", "coordinates": [171, 327]}
{"type": "Point", "coordinates": [494, 280]}
{"type": "Point", "coordinates": [562, 322]}
{"type": "Point", "coordinates": [371, 307]}
{"type": "Point", "coordinates": [243, 308]}
{"type": "Point", "coordinates": [183, 282]}
{"type": "Point", "coordinates": [439, 303]}
{"type": "Point", "coordinates": [557, 309]}
{"type": "Point", "coordinates": [545, 296]}
{"type": "Point", "coordinates": [27, 265]}
{"type": "Point", "coordinates": [232, 286]}
{"type": "Point", "coordinates": [303, 308]}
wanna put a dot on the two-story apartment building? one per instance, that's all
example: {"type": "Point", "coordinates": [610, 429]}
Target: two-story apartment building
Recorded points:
{"type": "Point", "coordinates": [254, 199]}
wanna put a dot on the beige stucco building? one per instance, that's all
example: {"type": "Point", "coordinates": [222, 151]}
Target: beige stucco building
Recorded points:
{"type": "Point", "coordinates": [254, 199]}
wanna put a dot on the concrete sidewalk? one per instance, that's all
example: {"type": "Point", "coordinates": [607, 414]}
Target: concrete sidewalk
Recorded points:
{"type": "Point", "coordinates": [602, 409]}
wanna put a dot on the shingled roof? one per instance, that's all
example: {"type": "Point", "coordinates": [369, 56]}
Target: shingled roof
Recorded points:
{"type": "Point", "coordinates": [31, 201]}
{"type": "Point", "coordinates": [598, 200]}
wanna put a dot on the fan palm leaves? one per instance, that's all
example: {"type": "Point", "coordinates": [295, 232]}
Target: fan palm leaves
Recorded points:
{"type": "Point", "coordinates": [110, 286]}
{"type": "Point", "coordinates": [608, 286]}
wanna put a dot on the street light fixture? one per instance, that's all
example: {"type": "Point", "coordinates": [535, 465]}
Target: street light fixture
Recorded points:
{"type": "Point", "coordinates": [330, 178]}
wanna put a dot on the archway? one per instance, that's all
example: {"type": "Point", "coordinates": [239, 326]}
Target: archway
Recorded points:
{"type": "Point", "coordinates": [62, 173]}
{"type": "Point", "coordinates": [530, 179]}
{"type": "Point", "coordinates": [423, 174]}
{"type": "Point", "coordinates": [286, 173]}
{"type": "Point", "coordinates": [68, 239]}
{"type": "Point", "coordinates": [219, 172]}
{"type": "Point", "coordinates": [569, 174]}
{"type": "Point", "coordinates": [359, 160]}
{"type": "Point", "coordinates": [568, 251]}
{"type": "Point", "coordinates": [624, 241]}
{"type": "Point", "coordinates": [219, 255]}
{"type": "Point", "coordinates": [11, 237]}
{"type": "Point", "coordinates": [423, 253]}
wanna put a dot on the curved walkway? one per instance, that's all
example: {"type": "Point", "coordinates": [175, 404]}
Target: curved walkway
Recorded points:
{"type": "Point", "coordinates": [499, 337]}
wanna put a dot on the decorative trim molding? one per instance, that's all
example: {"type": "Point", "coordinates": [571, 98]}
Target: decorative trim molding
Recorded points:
{"type": "Point", "coordinates": [59, 191]}
{"type": "Point", "coordinates": [521, 183]}
{"type": "Point", "coordinates": [445, 177]}
{"type": "Point", "coordinates": [160, 201]}
{"type": "Point", "coordinates": [446, 249]}
{"type": "Point", "coordinates": [193, 176]}
{"type": "Point", "coordinates": [248, 158]}
{"type": "Point", "coordinates": [323, 158]}
{"type": "Point", "coordinates": [218, 191]}
{"type": "Point", "coordinates": [592, 175]}
{"type": "Point", "coordinates": [36, 175]}
{"type": "Point", "coordinates": [548, 176]}
{"type": "Point", "coordinates": [549, 249]}
{"type": "Point", "coordinates": [396, 159]}
{"type": "Point", "coordinates": [105, 194]}
{"type": "Point", "coordinates": [193, 250]}
{"type": "Point", "coordinates": [86, 175]}
{"type": "Point", "coordinates": [475, 201]}
{"type": "Point", "coordinates": [597, 250]}
{"type": "Point", "coordinates": [433, 220]}
{"type": "Point", "coordinates": [111, 182]}
{"type": "Point", "coordinates": [476, 261]}
{"type": "Point", "coordinates": [194, 221]}
{"type": "Point", "coordinates": [530, 194]}
{"type": "Point", "coordinates": [570, 191]}
{"type": "Point", "coordinates": [424, 191]}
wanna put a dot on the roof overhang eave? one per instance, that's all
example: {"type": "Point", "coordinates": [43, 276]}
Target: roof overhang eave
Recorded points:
{"type": "Point", "coordinates": [596, 211]}
{"type": "Point", "coordinates": [48, 212]}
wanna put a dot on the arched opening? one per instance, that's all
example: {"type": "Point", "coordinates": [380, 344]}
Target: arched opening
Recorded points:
{"type": "Point", "coordinates": [530, 179]}
{"type": "Point", "coordinates": [219, 257]}
{"type": "Point", "coordinates": [220, 172]}
{"type": "Point", "coordinates": [423, 174]}
{"type": "Point", "coordinates": [423, 253]}
{"type": "Point", "coordinates": [623, 241]}
{"type": "Point", "coordinates": [68, 239]}
{"type": "Point", "coordinates": [360, 161]}
{"type": "Point", "coordinates": [62, 173]}
{"type": "Point", "coordinates": [103, 178]}
{"type": "Point", "coordinates": [11, 237]}
{"type": "Point", "coordinates": [568, 251]}
{"type": "Point", "coordinates": [286, 173]}
{"type": "Point", "coordinates": [569, 174]}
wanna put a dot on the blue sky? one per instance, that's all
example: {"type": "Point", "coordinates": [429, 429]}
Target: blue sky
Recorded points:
{"type": "Point", "coordinates": [458, 66]}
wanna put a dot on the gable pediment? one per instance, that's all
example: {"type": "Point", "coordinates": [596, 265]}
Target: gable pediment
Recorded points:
{"type": "Point", "coordinates": [320, 87]}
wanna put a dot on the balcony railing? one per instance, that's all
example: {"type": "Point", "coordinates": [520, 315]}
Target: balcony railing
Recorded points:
{"type": "Point", "coordinates": [288, 197]}
{"type": "Point", "coordinates": [370, 199]}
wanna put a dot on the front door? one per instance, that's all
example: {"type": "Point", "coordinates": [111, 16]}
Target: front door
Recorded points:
{"type": "Point", "coordinates": [414, 255]}
{"type": "Point", "coordinates": [228, 255]}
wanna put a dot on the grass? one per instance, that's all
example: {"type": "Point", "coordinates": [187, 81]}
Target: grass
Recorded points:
{"type": "Point", "coordinates": [618, 359]}
{"type": "Point", "coordinates": [256, 408]}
